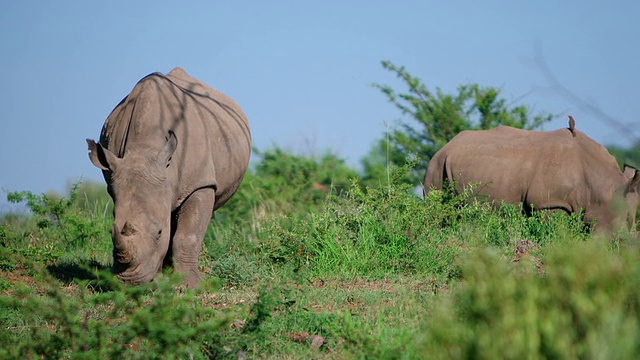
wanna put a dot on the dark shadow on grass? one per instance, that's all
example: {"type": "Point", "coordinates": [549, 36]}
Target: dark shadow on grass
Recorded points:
{"type": "Point", "coordinates": [71, 273]}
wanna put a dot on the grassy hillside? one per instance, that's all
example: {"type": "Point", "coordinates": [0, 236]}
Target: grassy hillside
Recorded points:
{"type": "Point", "coordinates": [304, 269]}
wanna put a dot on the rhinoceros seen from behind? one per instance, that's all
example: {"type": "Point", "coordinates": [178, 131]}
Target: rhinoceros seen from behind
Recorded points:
{"type": "Point", "coordinates": [171, 152]}
{"type": "Point", "coordinates": [556, 170]}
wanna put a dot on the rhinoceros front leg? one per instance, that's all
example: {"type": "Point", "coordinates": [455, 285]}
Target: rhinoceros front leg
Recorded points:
{"type": "Point", "coordinates": [191, 222]}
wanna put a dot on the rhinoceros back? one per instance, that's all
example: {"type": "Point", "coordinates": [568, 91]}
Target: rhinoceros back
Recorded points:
{"type": "Point", "coordinates": [549, 170]}
{"type": "Point", "coordinates": [214, 142]}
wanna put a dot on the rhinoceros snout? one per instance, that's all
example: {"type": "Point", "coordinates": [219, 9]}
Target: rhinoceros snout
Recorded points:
{"type": "Point", "coordinates": [123, 251]}
{"type": "Point", "coordinates": [122, 257]}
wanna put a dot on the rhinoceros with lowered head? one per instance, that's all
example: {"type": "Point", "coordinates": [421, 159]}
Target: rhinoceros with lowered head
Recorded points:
{"type": "Point", "coordinates": [556, 170]}
{"type": "Point", "coordinates": [171, 152]}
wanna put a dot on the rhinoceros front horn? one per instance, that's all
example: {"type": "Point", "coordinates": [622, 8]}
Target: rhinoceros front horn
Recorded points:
{"type": "Point", "coordinates": [128, 229]}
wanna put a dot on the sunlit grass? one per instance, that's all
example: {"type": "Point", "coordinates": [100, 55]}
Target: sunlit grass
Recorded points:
{"type": "Point", "coordinates": [367, 273]}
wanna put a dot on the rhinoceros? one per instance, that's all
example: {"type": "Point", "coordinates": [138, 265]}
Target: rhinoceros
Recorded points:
{"type": "Point", "coordinates": [171, 152]}
{"type": "Point", "coordinates": [557, 170]}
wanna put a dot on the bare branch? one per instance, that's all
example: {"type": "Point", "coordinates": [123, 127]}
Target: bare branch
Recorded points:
{"type": "Point", "coordinates": [620, 127]}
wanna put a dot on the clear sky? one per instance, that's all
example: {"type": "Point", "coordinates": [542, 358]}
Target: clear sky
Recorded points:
{"type": "Point", "coordinates": [301, 70]}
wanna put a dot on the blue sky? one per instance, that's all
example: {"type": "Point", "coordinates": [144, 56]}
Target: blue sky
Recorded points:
{"type": "Point", "coordinates": [302, 71]}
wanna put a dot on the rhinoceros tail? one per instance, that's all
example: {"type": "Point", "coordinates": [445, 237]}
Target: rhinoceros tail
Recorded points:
{"type": "Point", "coordinates": [436, 172]}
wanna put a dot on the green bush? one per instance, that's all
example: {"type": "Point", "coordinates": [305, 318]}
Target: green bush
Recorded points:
{"type": "Point", "coordinates": [282, 183]}
{"type": "Point", "coordinates": [59, 225]}
{"type": "Point", "coordinates": [151, 321]}
{"type": "Point", "coordinates": [582, 302]}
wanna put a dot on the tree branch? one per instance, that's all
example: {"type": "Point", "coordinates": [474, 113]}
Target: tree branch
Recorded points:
{"type": "Point", "coordinates": [620, 127]}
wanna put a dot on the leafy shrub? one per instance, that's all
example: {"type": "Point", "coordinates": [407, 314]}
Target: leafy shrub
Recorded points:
{"type": "Point", "coordinates": [61, 223]}
{"type": "Point", "coordinates": [586, 305]}
{"type": "Point", "coordinates": [235, 269]}
{"type": "Point", "coordinates": [370, 232]}
{"type": "Point", "coordinates": [151, 321]}
{"type": "Point", "coordinates": [282, 183]}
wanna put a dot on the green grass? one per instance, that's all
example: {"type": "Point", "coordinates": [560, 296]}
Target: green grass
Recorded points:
{"type": "Point", "coordinates": [362, 273]}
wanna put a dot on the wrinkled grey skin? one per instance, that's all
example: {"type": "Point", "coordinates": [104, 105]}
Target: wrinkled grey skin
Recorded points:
{"type": "Point", "coordinates": [557, 170]}
{"type": "Point", "coordinates": [171, 152]}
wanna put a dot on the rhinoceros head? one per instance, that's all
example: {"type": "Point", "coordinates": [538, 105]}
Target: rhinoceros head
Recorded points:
{"type": "Point", "coordinates": [617, 209]}
{"type": "Point", "coordinates": [141, 229]}
{"type": "Point", "coordinates": [631, 194]}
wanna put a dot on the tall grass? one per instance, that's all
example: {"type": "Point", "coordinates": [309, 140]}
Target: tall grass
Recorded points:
{"type": "Point", "coordinates": [358, 273]}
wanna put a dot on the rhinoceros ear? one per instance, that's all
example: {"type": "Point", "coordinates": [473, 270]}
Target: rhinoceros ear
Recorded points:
{"type": "Point", "coordinates": [635, 179]}
{"type": "Point", "coordinates": [169, 148]}
{"type": "Point", "coordinates": [633, 175]}
{"type": "Point", "coordinates": [101, 157]}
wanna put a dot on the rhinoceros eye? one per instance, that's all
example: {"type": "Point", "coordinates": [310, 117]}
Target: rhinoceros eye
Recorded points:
{"type": "Point", "coordinates": [156, 231]}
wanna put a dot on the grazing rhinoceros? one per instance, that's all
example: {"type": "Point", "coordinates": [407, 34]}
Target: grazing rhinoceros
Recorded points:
{"type": "Point", "coordinates": [171, 152]}
{"type": "Point", "coordinates": [562, 169]}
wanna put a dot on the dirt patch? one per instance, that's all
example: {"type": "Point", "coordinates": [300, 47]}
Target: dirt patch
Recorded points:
{"type": "Point", "coordinates": [315, 341]}
{"type": "Point", "coordinates": [523, 251]}
{"type": "Point", "coordinates": [384, 285]}
{"type": "Point", "coordinates": [20, 275]}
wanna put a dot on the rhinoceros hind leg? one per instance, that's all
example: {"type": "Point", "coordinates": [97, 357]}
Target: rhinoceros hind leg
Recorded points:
{"type": "Point", "coordinates": [191, 222]}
